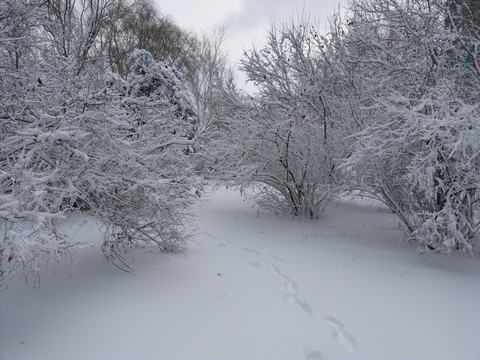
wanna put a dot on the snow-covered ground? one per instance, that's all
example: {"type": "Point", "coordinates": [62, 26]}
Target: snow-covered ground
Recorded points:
{"type": "Point", "coordinates": [254, 286]}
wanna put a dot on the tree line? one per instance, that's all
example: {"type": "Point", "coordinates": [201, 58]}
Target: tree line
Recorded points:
{"type": "Point", "coordinates": [385, 104]}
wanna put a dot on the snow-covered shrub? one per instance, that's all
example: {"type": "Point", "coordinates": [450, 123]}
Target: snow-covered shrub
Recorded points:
{"type": "Point", "coordinates": [418, 151]}
{"type": "Point", "coordinates": [73, 138]}
{"type": "Point", "coordinates": [286, 137]}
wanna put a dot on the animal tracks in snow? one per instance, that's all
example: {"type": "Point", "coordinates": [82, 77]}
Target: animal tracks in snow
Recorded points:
{"type": "Point", "coordinates": [276, 258]}
{"type": "Point", "coordinates": [304, 308]}
{"type": "Point", "coordinates": [290, 285]}
{"type": "Point", "coordinates": [246, 249]}
{"type": "Point", "coordinates": [291, 289]}
{"type": "Point", "coordinates": [206, 233]}
{"type": "Point", "coordinates": [345, 340]}
{"type": "Point", "coordinates": [314, 355]}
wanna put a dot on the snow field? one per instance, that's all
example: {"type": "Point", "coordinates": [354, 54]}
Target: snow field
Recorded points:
{"type": "Point", "coordinates": [253, 286]}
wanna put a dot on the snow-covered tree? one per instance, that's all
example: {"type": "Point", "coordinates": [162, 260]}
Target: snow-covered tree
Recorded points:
{"type": "Point", "coordinates": [149, 114]}
{"type": "Point", "coordinates": [416, 83]}
{"type": "Point", "coordinates": [285, 137]}
{"type": "Point", "coordinates": [76, 138]}
{"type": "Point", "coordinates": [210, 78]}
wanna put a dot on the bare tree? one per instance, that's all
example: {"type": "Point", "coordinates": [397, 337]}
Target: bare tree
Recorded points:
{"type": "Point", "coordinates": [74, 26]}
{"type": "Point", "coordinates": [141, 26]}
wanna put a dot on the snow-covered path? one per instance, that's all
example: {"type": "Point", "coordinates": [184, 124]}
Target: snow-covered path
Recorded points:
{"type": "Point", "coordinates": [254, 286]}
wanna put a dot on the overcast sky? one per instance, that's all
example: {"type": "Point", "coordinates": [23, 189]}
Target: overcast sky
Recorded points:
{"type": "Point", "coordinates": [246, 20]}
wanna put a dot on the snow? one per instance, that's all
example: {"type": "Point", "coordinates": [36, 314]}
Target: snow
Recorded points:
{"type": "Point", "coordinates": [253, 286]}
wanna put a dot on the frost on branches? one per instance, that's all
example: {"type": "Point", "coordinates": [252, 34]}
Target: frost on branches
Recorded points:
{"type": "Point", "coordinates": [73, 139]}
{"type": "Point", "coordinates": [419, 150]}
{"type": "Point", "coordinates": [149, 177]}
{"type": "Point", "coordinates": [285, 140]}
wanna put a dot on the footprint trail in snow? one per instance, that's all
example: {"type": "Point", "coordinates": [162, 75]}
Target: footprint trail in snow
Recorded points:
{"type": "Point", "coordinates": [291, 292]}
{"type": "Point", "coordinates": [314, 355]}
{"type": "Point", "coordinates": [345, 340]}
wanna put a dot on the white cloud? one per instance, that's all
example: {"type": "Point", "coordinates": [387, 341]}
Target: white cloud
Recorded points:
{"type": "Point", "coordinates": [198, 15]}
{"type": "Point", "coordinates": [241, 15]}
{"type": "Point", "coordinates": [255, 12]}
{"type": "Point", "coordinates": [249, 26]}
